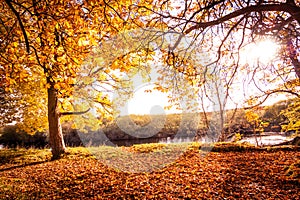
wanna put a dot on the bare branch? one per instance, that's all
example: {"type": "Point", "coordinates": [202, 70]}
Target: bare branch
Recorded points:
{"type": "Point", "coordinates": [293, 10]}
{"type": "Point", "coordinates": [74, 113]}
{"type": "Point", "coordinates": [268, 94]}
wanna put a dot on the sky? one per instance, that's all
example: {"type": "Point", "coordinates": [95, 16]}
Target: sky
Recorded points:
{"type": "Point", "coordinates": [145, 103]}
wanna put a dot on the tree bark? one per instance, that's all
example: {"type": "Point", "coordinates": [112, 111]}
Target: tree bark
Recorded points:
{"type": "Point", "coordinates": [56, 139]}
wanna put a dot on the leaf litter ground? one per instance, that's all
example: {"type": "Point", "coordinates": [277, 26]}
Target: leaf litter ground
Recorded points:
{"type": "Point", "coordinates": [234, 174]}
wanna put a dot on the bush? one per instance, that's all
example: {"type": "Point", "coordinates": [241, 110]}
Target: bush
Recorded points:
{"type": "Point", "coordinates": [12, 137]}
{"type": "Point", "coordinates": [71, 136]}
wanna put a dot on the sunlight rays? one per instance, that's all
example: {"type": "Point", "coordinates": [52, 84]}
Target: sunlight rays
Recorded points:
{"type": "Point", "coordinates": [262, 52]}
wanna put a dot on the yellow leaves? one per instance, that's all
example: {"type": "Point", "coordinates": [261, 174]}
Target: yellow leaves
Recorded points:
{"type": "Point", "coordinates": [252, 101]}
{"type": "Point", "coordinates": [80, 41]}
{"type": "Point", "coordinates": [15, 44]}
{"type": "Point", "coordinates": [7, 89]}
{"type": "Point", "coordinates": [87, 80]}
{"type": "Point", "coordinates": [57, 26]}
{"type": "Point", "coordinates": [60, 50]}
{"type": "Point", "coordinates": [28, 34]}
{"type": "Point", "coordinates": [57, 86]}
{"type": "Point", "coordinates": [31, 58]}
{"type": "Point", "coordinates": [160, 88]}
{"type": "Point", "coordinates": [115, 65]}
{"type": "Point", "coordinates": [83, 42]}
{"type": "Point", "coordinates": [255, 120]}
{"type": "Point", "coordinates": [103, 100]}
{"type": "Point", "coordinates": [71, 81]}
{"type": "Point", "coordinates": [101, 77]}
{"type": "Point", "coordinates": [292, 114]}
{"type": "Point", "coordinates": [251, 116]}
{"type": "Point", "coordinates": [76, 60]}
{"type": "Point", "coordinates": [59, 46]}
{"type": "Point", "coordinates": [62, 59]}
{"type": "Point", "coordinates": [12, 81]}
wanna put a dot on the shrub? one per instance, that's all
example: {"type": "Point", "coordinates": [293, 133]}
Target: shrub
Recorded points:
{"type": "Point", "coordinates": [12, 137]}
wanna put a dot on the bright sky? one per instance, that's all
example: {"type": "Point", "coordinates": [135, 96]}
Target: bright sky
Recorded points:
{"type": "Point", "coordinates": [144, 103]}
{"type": "Point", "coordinates": [147, 103]}
{"type": "Point", "coordinates": [264, 51]}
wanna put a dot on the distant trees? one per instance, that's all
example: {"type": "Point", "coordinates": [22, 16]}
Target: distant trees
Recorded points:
{"type": "Point", "coordinates": [11, 137]}
{"type": "Point", "coordinates": [8, 98]}
{"type": "Point", "coordinates": [292, 116]}
{"type": "Point", "coordinates": [274, 115]}
{"type": "Point", "coordinates": [8, 107]}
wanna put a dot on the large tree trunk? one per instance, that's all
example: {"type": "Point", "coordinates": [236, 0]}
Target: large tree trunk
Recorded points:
{"type": "Point", "coordinates": [56, 139]}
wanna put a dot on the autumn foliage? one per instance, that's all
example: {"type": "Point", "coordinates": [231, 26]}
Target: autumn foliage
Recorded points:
{"type": "Point", "coordinates": [251, 174]}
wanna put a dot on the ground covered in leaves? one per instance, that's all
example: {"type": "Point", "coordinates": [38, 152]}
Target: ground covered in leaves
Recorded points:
{"type": "Point", "coordinates": [222, 172]}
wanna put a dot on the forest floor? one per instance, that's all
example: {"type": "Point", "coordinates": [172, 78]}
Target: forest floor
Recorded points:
{"type": "Point", "coordinates": [152, 171]}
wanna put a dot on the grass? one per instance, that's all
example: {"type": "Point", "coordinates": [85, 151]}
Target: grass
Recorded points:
{"type": "Point", "coordinates": [23, 156]}
{"type": "Point", "coordinates": [152, 171]}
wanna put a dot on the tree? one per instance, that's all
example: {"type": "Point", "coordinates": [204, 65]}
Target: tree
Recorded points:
{"type": "Point", "coordinates": [225, 28]}
{"type": "Point", "coordinates": [256, 123]}
{"type": "Point", "coordinates": [38, 38]}
{"type": "Point", "coordinates": [43, 44]}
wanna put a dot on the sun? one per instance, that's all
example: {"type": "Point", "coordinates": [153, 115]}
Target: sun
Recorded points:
{"type": "Point", "coordinates": [147, 101]}
{"type": "Point", "coordinates": [262, 52]}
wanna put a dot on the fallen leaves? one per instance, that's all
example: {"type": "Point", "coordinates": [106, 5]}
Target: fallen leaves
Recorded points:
{"type": "Point", "coordinates": [193, 175]}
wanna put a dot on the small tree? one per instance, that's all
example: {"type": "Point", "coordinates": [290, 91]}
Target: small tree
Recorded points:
{"type": "Point", "coordinates": [256, 122]}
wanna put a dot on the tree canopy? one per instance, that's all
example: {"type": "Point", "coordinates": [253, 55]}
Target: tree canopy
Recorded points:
{"type": "Point", "coordinates": [43, 44]}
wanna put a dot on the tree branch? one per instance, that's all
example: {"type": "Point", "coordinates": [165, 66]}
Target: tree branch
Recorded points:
{"type": "Point", "coordinates": [291, 9]}
{"type": "Point", "coordinates": [269, 94]}
{"type": "Point", "coordinates": [21, 24]}
{"type": "Point", "coordinates": [74, 113]}
{"type": "Point", "coordinates": [292, 53]}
